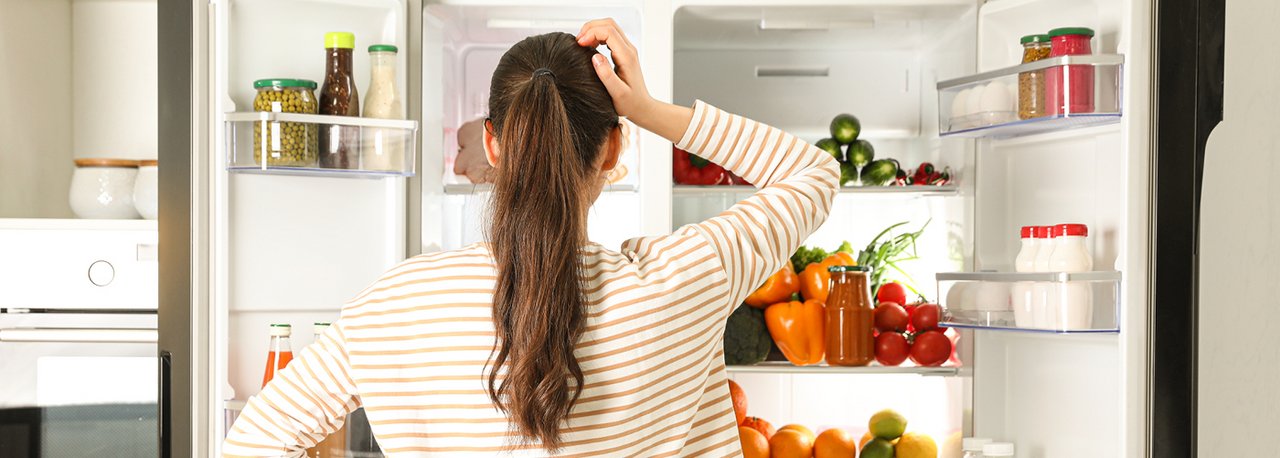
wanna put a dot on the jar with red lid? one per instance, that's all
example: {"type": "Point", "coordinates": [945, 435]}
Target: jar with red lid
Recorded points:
{"type": "Point", "coordinates": [1069, 88]}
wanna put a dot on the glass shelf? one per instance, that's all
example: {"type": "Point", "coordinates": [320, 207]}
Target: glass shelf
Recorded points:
{"type": "Point", "coordinates": [1048, 302]}
{"type": "Point", "coordinates": [783, 367]}
{"type": "Point", "coordinates": [1084, 89]}
{"type": "Point", "coordinates": [289, 142]}
{"type": "Point", "coordinates": [905, 191]}
{"type": "Point", "coordinates": [467, 189]}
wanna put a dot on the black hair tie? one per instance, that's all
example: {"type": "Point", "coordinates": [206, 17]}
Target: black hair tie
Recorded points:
{"type": "Point", "coordinates": [543, 71]}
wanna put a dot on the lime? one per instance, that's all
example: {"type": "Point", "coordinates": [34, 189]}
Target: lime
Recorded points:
{"type": "Point", "coordinates": [831, 147]}
{"type": "Point", "coordinates": [887, 424]}
{"type": "Point", "coordinates": [845, 128]}
{"type": "Point", "coordinates": [860, 153]}
{"type": "Point", "coordinates": [877, 448]}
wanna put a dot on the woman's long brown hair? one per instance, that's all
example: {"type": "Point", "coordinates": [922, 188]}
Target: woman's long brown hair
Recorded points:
{"type": "Point", "coordinates": [551, 116]}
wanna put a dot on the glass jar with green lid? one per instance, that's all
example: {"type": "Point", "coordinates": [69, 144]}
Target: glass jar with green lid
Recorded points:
{"type": "Point", "coordinates": [287, 144]}
{"type": "Point", "coordinates": [1031, 84]}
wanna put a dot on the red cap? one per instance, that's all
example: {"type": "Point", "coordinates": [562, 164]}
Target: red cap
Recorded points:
{"type": "Point", "coordinates": [1041, 232]}
{"type": "Point", "coordinates": [1026, 231]}
{"type": "Point", "coordinates": [1071, 229]}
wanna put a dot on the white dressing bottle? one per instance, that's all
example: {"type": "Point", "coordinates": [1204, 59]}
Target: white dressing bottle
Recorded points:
{"type": "Point", "coordinates": [381, 148]}
{"type": "Point", "coordinates": [1071, 254]}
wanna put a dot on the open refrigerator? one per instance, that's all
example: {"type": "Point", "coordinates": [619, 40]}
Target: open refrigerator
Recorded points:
{"type": "Point", "coordinates": [290, 245]}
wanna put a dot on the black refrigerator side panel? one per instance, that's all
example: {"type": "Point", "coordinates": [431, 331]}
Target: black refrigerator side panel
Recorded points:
{"type": "Point", "coordinates": [175, 76]}
{"type": "Point", "coordinates": [1189, 75]}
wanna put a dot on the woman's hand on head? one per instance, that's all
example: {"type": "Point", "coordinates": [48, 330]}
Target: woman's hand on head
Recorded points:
{"type": "Point", "coordinates": [625, 82]}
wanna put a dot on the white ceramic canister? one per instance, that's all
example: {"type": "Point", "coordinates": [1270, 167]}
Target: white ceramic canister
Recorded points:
{"type": "Point", "coordinates": [103, 189]}
{"type": "Point", "coordinates": [145, 188]}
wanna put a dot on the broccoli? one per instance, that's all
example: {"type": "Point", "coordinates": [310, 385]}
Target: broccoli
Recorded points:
{"type": "Point", "coordinates": [807, 255]}
{"type": "Point", "coordinates": [746, 338]}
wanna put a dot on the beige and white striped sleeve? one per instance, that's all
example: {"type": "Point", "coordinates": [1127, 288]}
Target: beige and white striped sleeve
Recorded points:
{"type": "Point", "coordinates": [305, 402]}
{"type": "Point", "coordinates": [799, 182]}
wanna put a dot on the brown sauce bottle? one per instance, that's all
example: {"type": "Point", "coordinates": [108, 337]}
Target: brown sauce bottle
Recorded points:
{"type": "Point", "coordinates": [850, 321]}
{"type": "Point", "coordinates": [339, 145]}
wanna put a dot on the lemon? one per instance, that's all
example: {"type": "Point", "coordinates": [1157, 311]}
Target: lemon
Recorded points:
{"type": "Point", "coordinates": [916, 445]}
{"type": "Point", "coordinates": [887, 424]}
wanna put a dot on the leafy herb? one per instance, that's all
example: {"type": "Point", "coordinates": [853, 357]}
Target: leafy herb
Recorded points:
{"type": "Point", "coordinates": [881, 256]}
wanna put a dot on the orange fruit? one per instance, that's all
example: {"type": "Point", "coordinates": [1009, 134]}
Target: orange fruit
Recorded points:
{"type": "Point", "coordinates": [834, 443]}
{"type": "Point", "coordinates": [739, 401]}
{"type": "Point", "coordinates": [800, 429]}
{"type": "Point", "coordinates": [790, 443]}
{"type": "Point", "coordinates": [759, 424]}
{"type": "Point", "coordinates": [865, 438]}
{"type": "Point", "coordinates": [754, 445]}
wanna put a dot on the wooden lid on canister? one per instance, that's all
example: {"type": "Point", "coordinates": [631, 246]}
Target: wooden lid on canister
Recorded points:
{"type": "Point", "coordinates": [106, 163]}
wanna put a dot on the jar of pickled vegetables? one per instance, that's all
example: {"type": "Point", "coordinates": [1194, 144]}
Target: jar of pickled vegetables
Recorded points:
{"type": "Point", "coordinates": [286, 144]}
{"type": "Point", "coordinates": [1031, 84]}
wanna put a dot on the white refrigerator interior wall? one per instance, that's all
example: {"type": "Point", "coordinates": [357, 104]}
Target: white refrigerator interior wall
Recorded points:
{"type": "Point", "coordinates": [1239, 223]}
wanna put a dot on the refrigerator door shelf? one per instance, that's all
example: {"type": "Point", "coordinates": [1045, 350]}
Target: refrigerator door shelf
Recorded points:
{"type": "Point", "coordinates": [1049, 302]}
{"type": "Point", "coordinates": [1017, 101]}
{"type": "Point", "coordinates": [869, 191]}
{"type": "Point", "coordinates": [288, 142]}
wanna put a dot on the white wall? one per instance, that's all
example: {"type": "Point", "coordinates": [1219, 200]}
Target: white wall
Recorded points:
{"type": "Point", "coordinates": [35, 108]}
{"type": "Point", "coordinates": [1239, 405]}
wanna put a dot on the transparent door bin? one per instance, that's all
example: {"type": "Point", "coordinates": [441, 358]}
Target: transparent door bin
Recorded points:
{"type": "Point", "coordinates": [286, 143]}
{"type": "Point", "coordinates": [1047, 95]}
{"type": "Point", "coordinates": [1054, 302]}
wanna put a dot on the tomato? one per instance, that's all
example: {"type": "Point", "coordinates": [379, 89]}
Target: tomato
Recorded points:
{"type": "Point", "coordinates": [891, 348]}
{"type": "Point", "coordinates": [890, 316]}
{"type": "Point", "coordinates": [926, 317]}
{"type": "Point", "coordinates": [931, 348]}
{"type": "Point", "coordinates": [892, 292]}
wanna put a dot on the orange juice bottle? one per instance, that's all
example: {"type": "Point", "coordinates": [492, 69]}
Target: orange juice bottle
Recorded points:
{"type": "Point", "coordinates": [278, 352]}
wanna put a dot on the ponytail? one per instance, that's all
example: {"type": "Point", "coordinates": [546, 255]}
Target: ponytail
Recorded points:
{"type": "Point", "coordinates": [536, 232]}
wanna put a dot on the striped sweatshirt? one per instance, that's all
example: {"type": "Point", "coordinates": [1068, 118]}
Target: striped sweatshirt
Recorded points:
{"type": "Point", "coordinates": [412, 348]}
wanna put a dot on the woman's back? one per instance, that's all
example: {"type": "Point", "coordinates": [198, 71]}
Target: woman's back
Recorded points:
{"type": "Point", "coordinates": [418, 348]}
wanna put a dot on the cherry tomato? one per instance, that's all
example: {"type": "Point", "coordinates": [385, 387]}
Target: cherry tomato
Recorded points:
{"type": "Point", "coordinates": [890, 316]}
{"type": "Point", "coordinates": [931, 348]}
{"type": "Point", "coordinates": [926, 317]}
{"type": "Point", "coordinates": [891, 348]}
{"type": "Point", "coordinates": [892, 292]}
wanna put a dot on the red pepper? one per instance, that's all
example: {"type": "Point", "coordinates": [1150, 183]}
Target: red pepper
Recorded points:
{"type": "Point", "coordinates": [689, 169]}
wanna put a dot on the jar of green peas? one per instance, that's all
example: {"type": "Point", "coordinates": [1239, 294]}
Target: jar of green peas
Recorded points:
{"type": "Point", "coordinates": [286, 144]}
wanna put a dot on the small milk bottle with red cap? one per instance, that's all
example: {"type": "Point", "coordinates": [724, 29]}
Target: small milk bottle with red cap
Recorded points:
{"type": "Point", "coordinates": [1071, 254]}
{"type": "Point", "coordinates": [1043, 294]}
{"type": "Point", "coordinates": [1021, 291]}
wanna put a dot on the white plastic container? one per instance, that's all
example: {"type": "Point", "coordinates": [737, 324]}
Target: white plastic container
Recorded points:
{"type": "Point", "coordinates": [1043, 294]}
{"type": "Point", "coordinates": [972, 446]}
{"type": "Point", "coordinates": [997, 449]}
{"type": "Point", "coordinates": [1020, 293]}
{"type": "Point", "coordinates": [103, 189]}
{"type": "Point", "coordinates": [145, 189]}
{"type": "Point", "coordinates": [1074, 305]}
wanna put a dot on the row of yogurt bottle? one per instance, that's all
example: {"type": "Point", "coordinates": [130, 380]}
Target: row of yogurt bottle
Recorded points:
{"type": "Point", "coordinates": [1052, 305]}
{"type": "Point", "coordinates": [978, 447]}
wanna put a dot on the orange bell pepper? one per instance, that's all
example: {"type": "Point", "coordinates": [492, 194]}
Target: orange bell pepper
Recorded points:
{"type": "Point", "coordinates": [799, 329]}
{"type": "Point", "coordinates": [777, 288]}
{"type": "Point", "coordinates": [815, 281]}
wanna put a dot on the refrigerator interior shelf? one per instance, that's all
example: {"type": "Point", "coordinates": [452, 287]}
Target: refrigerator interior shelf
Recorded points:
{"type": "Point", "coordinates": [783, 367]}
{"type": "Point", "coordinates": [467, 188]}
{"type": "Point", "coordinates": [885, 191]}
{"type": "Point", "coordinates": [1047, 302]}
{"type": "Point", "coordinates": [1085, 90]}
{"type": "Point", "coordinates": [289, 142]}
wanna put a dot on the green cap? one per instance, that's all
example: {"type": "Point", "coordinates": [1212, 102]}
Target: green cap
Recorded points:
{"type": "Point", "coordinates": [849, 269]}
{"type": "Point", "coordinates": [284, 82]}
{"type": "Point", "coordinates": [1035, 39]}
{"type": "Point", "coordinates": [1088, 32]}
{"type": "Point", "coordinates": [383, 48]}
{"type": "Point", "coordinates": [346, 40]}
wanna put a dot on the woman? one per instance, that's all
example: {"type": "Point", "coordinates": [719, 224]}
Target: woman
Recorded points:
{"type": "Point", "coordinates": [539, 342]}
